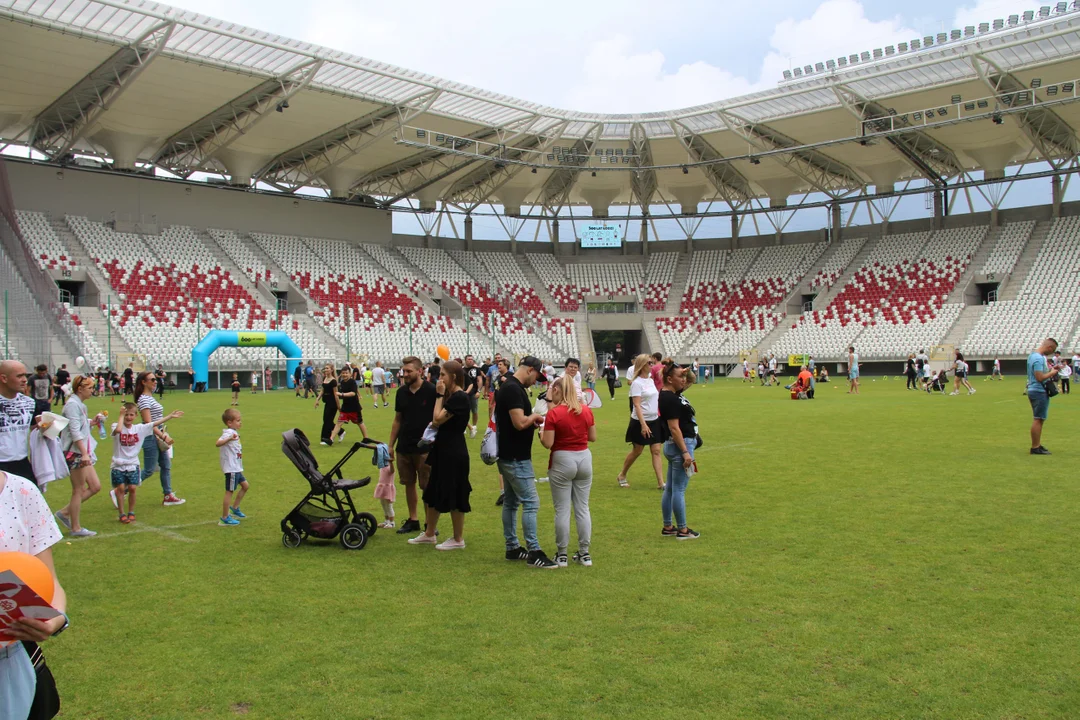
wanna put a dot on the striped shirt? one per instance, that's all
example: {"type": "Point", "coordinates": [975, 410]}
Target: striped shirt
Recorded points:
{"type": "Point", "coordinates": [146, 401]}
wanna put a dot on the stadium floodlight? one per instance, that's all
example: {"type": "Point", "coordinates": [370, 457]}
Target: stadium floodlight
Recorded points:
{"type": "Point", "coordinates": [808, 69]}
{"type": "Point", "coordinates": [864, 56]}
{"type": "Point", "coordinates": [969, 30]}
{"type": "Point", "coordinates": [1014, 20]}
{"type": "Point", "coordinates": [984, 28]}
{"type": "Point", "coordinates": [853, 59]}
{"type": "Point", "coordinates": [1061, 7]}
{"type": "Point", "coordinates": [983, 104]}
{"type": "Point", "coordinates": [1051, 90]}
{"type": "Point", "coordinates": [1044, 11]}
{"type": "Point", "coordinates": [998, 24]}
{"type": "Point", "coordinates": [797, 72]}
{"type": "Point", "coordinates": [877, 53]}
{"type": "Point", "coordinates": [1028, 16]}
{"type": "Point", "coordinates": [942, 38]}
{"type": "Point", "coordinates": [1036, 83]}
{"type": "Point", "coordinates": [890, 50]}
{"type": "Point", "coordinates": [787, 74]}
{"type": "Point", "coordinates": [902, 47]}
{"type": "Point", "coordinates": [955, 34]}
{"type": "Point", "coordinates": [1067, 87]}
{"type": "Point", "coordinates": [969, 106]}
{"type": "Point", "coordinates": [916, 44]}
{"type": "Point", "coordinates": [955, 100]}
{"type": "Point", "coordinates": [841, 61]}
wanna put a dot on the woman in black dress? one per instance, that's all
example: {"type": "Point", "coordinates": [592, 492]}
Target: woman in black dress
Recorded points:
{"type": "Point", "coordinates": [448, 488]}
{"type": "Point", "coordinates": [909, 370]}
{"type": "Point", "coordinates": [330, 405]}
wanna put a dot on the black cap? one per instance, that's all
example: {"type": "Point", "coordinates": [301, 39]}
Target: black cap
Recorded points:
{"type": "Point", "coordinates": [533, 362]}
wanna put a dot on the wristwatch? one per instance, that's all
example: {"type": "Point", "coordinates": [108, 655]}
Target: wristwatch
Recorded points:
{"type": "Point", "coordinates": [65, 626]}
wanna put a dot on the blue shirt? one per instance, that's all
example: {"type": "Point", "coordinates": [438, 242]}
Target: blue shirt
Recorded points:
{"type": "Point", "coordinates": [1036, 361]}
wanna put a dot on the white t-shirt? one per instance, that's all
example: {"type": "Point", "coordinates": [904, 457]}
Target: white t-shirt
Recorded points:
{"type": "Point", "coordinates": [997, 364]}
{"type": "Point", "coordinates": [549, 371]}
{"type": "Point", "coordinates": [630, 373]}
{"type": "Point", "coordinates": [26, 523]}
{"type": "Point", "coordinates": [1076, 361]}
{"type": "Point", "coordinates": [378, 376]}
{"type": "Point", "coordinates": [1065, 372]}
{"type": "Point", "coordinates": [772, 363]}
{"type": "Point", "coordinates": [127, 443]}
{"type": "Point", "coordinates": [645, 388]}
{"type": "Point", "coordinates": [231, 453]}
{"type": "Point", "coordinates": [696, 366]}
{"type": "Point", "coordinates": [254, 379]}
{"type": "Point", "coordinates": [745, 366]}
{"type": "Point", "coordinates": [16, 415]}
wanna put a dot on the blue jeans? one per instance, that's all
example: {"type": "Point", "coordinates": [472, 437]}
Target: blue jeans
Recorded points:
{"type": "Point", "coordinates": [674, 497]}
{"type": "Point", "coordinates": [152, 459]}
{"type": "Point", "coordinates": [519, 483]}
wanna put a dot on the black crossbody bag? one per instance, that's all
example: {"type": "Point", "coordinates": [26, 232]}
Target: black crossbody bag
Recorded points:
{"type": "Point", "coordinates": [46, 698]}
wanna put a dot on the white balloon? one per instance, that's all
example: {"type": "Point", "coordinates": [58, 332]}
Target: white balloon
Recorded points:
{"type": "Point", "coordinates": [80, 361]}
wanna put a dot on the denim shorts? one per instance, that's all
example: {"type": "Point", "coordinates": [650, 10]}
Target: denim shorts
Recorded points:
{"type": "Point", "coordinates": [1040, 404]}
{"type": "Point", "coordinates": [125, 477]}
{"type": "Point", "coordinates": [233, 480]}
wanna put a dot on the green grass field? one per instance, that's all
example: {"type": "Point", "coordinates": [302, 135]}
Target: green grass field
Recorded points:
{"type": "Point", "coordinates": [891, 555]}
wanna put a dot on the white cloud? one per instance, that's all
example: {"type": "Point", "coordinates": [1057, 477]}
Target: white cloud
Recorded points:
{"type": "Point", "coordinates": [988, 11]}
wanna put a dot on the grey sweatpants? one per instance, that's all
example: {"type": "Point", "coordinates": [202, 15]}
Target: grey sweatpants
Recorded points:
{"type": "Point", "coordinates": [570, 477]}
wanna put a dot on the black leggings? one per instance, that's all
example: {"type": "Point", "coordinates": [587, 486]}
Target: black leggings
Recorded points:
{"type": "Point", "coordinates": [329, 417]}
{"type": "Point", "coordinates": [912, 385]}
{"type": "Point", "coordinates": [611, 387]}
{"type": "Point", "coordinates": [1066, 386]}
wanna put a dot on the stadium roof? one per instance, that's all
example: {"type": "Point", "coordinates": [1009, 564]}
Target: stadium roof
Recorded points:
{"type": "Point", "coordinates": [140, 83]}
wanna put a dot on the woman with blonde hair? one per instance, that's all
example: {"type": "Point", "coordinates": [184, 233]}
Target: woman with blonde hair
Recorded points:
{"type": "Point", "coordinates": [76, 439]}
{"type": "Point", "coordinates": [645, 428]}
{"type": "Point", "coordinates": [568, 429]}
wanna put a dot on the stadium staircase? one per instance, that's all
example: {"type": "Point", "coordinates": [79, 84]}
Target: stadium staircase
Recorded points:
{"type": "Point", "coordinates": [678, 284]}
{"type": "Point", "coordinates": [1023, 266]}
{"type": "Point", "coordinates": [539, 286]}
{"type": "Point", "coordinates": [823, 299]}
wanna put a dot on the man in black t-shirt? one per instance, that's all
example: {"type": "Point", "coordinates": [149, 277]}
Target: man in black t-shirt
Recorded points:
{"type": "Point", "coordinates": [516, 425]}
{"type": "Point", "coordinates": [349, 402]}
{"type": "Point", "coordinates": [474, 383]}
{"type": "Point", "coordinates": [433, 371]}
{"type": "Point", "coordinates": [129, 380]}
{"type": "Point", "coordinates": [414, 406]}
{"type": "Point", "coordinates": [40, 388]}
{"type": "Point", "coordinates": [61, 379]}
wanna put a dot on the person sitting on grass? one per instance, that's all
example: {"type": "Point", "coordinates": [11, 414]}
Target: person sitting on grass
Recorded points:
{"type": "Point", "coordinates": [127, 441]}
{"type": "Point", "coordinates": [235, 389]}
{"type": "Point", "coordinates": [823, 375]}
{"type": "Point", "coordinates": [231, 455]}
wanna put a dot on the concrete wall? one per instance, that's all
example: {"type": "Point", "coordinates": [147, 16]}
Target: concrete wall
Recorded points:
{"type": "Point", "coordinates": [105, 196]}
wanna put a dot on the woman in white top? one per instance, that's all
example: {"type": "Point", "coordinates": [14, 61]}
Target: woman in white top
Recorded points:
{"type": "Point", "coordinates": [645, 427]}
{"type": "Point", "coordinates": [27, 527]}
{"type": "Point", "coordinates": [78, 449]}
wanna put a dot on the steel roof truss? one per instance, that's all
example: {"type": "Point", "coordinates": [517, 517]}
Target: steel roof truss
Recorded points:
{"type": "Point", "coordinates": [196, 145]}
{"type": "Point", "coordinates": [642, 182]}
{"type": "Point", "coordinates": [732, 187]}
{"type": "Point", "coordinates": [556, 191]}
{"type": "Point", "coordinates": [58, 127]}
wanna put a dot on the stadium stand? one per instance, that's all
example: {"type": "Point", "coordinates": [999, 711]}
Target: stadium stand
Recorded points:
{"type": "Point", "coordinates": [1047, 305]}
{"type": "Point", "coordinates": [244, 257]}
{"type": "Point", "coordinates": [566, 295]}
{"type": "Point", "coordinates": [481, 300]}
{"type": "Point", "coordinates": [606, 279]}
{"type": "Point", "coordinates": [1012, 239]}
{"type": "Point", "coordinates": [837, 263]}
{"type": "Point", "coordinates": [659, 273]}
{"type": "Point", "coordinates": [41, 239]}
{"type": "Point", "coordinates": [393, 262]}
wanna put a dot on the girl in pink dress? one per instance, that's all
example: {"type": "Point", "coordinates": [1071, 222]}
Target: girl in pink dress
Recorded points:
{"type": "Point", "coordinates": [386, 492]}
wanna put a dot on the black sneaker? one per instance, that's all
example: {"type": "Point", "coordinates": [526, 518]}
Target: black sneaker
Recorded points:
{"type": "Point", "coordinates": [409, 526]}
{"type": "Point", "coordinates": [499, 502]}
{"type": "Point", "coordinates": [1040, 451]}
{"type": "Point", "coordinates": [669, 531]}
{"type": "Point", "coordinates": [688, 534]}
{"type": "Point", "coordinates": [518, 553]}
{"type": "Point", "coordinates": [538, 559]}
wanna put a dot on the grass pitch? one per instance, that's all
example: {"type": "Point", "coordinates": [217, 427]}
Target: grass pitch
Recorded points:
{"type": "Point", "coordinates": [889, 555]}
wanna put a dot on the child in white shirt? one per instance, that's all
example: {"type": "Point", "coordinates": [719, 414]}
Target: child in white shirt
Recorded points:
{"type": "Point", "coordinates": [127, 442]}
{"type": "Point", "coordinates": [231, 456]}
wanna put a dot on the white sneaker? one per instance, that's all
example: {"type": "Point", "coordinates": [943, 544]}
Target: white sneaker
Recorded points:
{"type": "Point", "coordinates": [112, 496]}
{"type": "Point", "coordinates": [423, 539]}
{"type": "Point", "coordinates": [971, 391]}
{"type": "Point", "coordinates": [387, 524]}
{"type": "Point", "coordinates": [954, 392]}
{"type": "Point", "coordinates": [451, 544]}
{"type": "Point", "coordinates": [472, 431]}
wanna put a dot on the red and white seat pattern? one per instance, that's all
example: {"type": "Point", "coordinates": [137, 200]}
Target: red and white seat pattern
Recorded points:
{"type": "Point", "coordinates": [606, 279]}
{"type": "Point", "coordinates": [1011, 241]}
{"type": "Point", "coordinates": [245, 258]}
{"type": "Point", "coordinates": [393, 262]}
{"type": "Point", "coordinates": [566, 295]}
{"type": "Point", "coordinates": [1048, 304]}
{"type": "Point", "coordinates": [87, 344]}
{"type": "Point", "coordinates": [748, 315]}
{"type": "Point", "coordinates": [484, 307]}
{"type": "Point", "coordinates": [675, 331]}
{"type": "Point", "coordinates": [833, 268]}
{"type": "Point", "coordinates": [356, 303]}
{"type": "Point", "coordinates": [42, 241]}
{"type": "Point", "coordinates": [519, 295]}
{"type": "Point", "coordinates": [659, 273]}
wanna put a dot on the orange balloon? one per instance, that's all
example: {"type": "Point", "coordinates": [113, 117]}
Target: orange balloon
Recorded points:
{"type": "Point", "coordinates": [31, 571]}
{"type": "Point", "coordinates": [443, 351]}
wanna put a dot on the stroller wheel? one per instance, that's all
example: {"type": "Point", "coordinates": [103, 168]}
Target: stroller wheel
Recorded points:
{"type": "Point", "coordinates": [353, 537]}
{"type": "Point", "coordinates": [291, 539]}
{"type": "Point", "coordinates": [367, 521]}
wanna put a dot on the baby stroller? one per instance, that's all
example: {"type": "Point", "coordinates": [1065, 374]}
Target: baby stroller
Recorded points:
{"type": "Point", "coordinates": [327, 511]}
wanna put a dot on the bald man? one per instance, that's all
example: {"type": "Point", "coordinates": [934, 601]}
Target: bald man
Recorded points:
{"type": "Point", "coordinates": [16, 420]}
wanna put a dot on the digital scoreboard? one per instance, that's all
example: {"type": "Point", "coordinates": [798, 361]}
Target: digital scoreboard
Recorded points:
{"type": "Point", "coordinates": [601, 236]}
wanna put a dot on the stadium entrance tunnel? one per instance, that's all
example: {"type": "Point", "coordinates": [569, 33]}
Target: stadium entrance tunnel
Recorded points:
{"type": "Point", "coordinates": [623, 345]}
{"type": "Point", "coordinates": [200, 355]}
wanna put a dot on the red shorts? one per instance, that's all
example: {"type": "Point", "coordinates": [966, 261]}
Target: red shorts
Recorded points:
{"type": "Point", "coordinates": [349, 418]}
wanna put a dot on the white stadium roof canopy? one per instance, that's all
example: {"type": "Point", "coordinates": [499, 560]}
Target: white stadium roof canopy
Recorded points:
{"type": "Point", "coordinates": [142, 84]}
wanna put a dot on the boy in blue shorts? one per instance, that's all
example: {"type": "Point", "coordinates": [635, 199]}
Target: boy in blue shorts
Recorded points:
{"type": "Point", "coordinates": [232, 464]}
{"type": "Point", "coordinates": [127, 441]}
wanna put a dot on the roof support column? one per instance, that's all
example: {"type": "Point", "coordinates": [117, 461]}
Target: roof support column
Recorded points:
{"type": "Point", "coordinates": [1056, 195]}
{"type": "Point", "coordinates": [644, 236]}
{"type": "Point", "coordinates": [939, 208]}
{"type": "Point", "coordinates": [468, 233]}
{"type": "Point", "coordinates": [836, 225]}
{"type": "Point", "coordinates": [734, 231]}
{"type": "Point", "coordinates": [555, 236]}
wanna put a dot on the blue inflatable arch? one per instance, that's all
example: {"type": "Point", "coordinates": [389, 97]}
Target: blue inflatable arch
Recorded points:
{"type": "Point", "coordinates": [200, 355]}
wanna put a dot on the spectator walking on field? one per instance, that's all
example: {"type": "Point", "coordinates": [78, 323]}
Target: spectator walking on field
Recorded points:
{"type": "Point", "coordinates": [853, 371]}
{"type": "Point", "coordinates": [1038, 372]}
{"type": "Point", "coordinates": [379, 379]}
{"type": "Point", "coordinates": [17, 418]}
{"type": "Point", "coordinates": [644, 428]}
